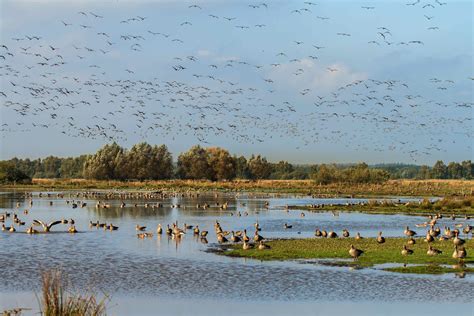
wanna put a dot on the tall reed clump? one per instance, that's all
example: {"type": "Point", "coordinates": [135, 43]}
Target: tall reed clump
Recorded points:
{"type": "Point", "coordinates": [57, 300]}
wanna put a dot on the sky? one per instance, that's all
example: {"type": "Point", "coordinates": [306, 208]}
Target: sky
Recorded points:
{"type": "Point", "coordinates": [303, 81]}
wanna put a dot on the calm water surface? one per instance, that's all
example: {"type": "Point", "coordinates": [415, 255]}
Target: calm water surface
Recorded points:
{"type": "Point", "coordinates": [160, 275]}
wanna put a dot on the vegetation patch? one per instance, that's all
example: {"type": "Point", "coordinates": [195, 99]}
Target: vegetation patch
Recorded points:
{"type": "Point", "coordinates": [338, 248]}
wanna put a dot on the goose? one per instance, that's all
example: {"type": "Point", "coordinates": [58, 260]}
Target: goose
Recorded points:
{"type": "Point", "coordinates": [5, 228]}
{"type": "Point", "coordinates": [257, 226]}
{"type": "Point", "coordinates": [354, 252]}
{"type": "Point", "coordinates": [409, 233]}
{"type": "Point", "coordinates": [302, 214]}
{"type": "Point", "coordinates": [196, 230]}
{"type": "Point", "coordinates": [140, 228]}
{"type": "Point", "coordinates": [460, 253]}
{"type": "Point", "coordinates": [332, 234]}
{"type": "Point", "coordinates": [169, 231]}
{"type": "Point", "coordinates": [31, 230]}
{"type": "Point", "coordinates": [345, 233]}
{"type": "Point", "coordinates": [64, 221]}
{"type": "Point", "coordinates": [411, 241]}
{"type": "Point", "coordinates": [380, 238]}
{"type": "Point", "coordinates": [433, 251]}
{"type": "Point", "coordinates": [406, 251]}
{"type": "Point", "coordinates": [221, 238]}
{"type": "Point", "coordinates": [318, 233]}
{"type": "Point", "coordinates": [235, 238]}
{"type": "Point", "coordinates": [245, 238]}
{"type": "Point", "coordinates": [435, 232]}
{"type": "Point", "coordinates": [159, 229]}
{"type": "Point", "coordinates": [204, 233]}
{"type": "Point", "coordinates": [288, 226]}
{"type": "Point", "coordinates": [72, 229]}
{"type": "Point", "coordinates": [458, 241]}
{"type": "Point", "coordinates": [324, 233]}
{"type": "Point", "coordinates": [467, 229]}
{"type": "Point", "coordinates": [112, 227]}
{"type": "Point", "coordinates": [262, 246]}
{"type": "Point", "coordinates": [12, 229]}
{"type": "Point", "coordinates": [429, 237]}
{"type": "Point", "coordinates": [358, 236]}
{"type": "Point", "coordinates": [46, 227]}
{"type": "Point", "coordinates": [257, 237]}
{"type": "Point", "coordinates": [91, 224]}
{"type": "Point", "coordinates": [247, 246]}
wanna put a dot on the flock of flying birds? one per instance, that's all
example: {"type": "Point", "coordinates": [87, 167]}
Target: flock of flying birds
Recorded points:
{"type": "Point", "coordinates": [89, 87]}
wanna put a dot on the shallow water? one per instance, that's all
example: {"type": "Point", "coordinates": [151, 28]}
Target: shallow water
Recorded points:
{"type": "Point", "coordinates": [182, 276]}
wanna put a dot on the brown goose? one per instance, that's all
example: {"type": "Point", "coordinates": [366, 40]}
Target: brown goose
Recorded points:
{"type": "Point", "coordinates": [159, 229]}
{"type": "Point", "coordinates": [433, 251]}
{"type": "Point", "coordinates": [235, 238]}
{"type": "Point", "coordinates": [318, 233]}
{"type": "Point", "coordinates": [354, 252]}
{"type": "Point", "coordinates": [358, 236]}
{"type": "Point", "coordinates": [332, 234]}
{"type": "Point", "coordinates": [411, 241]}
{"type": "Point", "coordinates": [429, 237]}
{"type": "Point", "coordinates": [345, 233]}
{"type": "Point", "coordinates": [409, 233]}
{"type": "Point", "coordinates": [262, 246]}
{"type": "Point", "coordinates": [247, 246]}
{"type": "Point", "coordinates": [140, 228]}
{"type": "Point", "coordinates": [458, 241]}
{"type": "Point", "coordinates": [221, 238]}
{"type": "Point", "coordinates": [257, 237]}
{"type": "Point", "coordinates": [46, 227]}
{"type": "Point", "coordinates": [459, 253]}
{"type": "Point", "coordinates": [406, 251]}
{"type": "Point", "coordinates": [380, 238]}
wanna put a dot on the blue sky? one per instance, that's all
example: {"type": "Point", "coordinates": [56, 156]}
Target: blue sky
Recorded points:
{"type": "Point", "coordinates": [299, 81]}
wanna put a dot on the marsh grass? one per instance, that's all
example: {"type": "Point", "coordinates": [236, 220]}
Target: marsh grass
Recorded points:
{"type": "Point", "coordinates": [306, 187]}
{"type": "Point", "coordinates": [374, 253]}
{"type": "Point", "coordinates": [57, 300]}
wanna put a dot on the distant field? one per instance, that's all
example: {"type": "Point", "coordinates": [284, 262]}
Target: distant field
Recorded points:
{"type": "Point", "coordinates": [309, 187]}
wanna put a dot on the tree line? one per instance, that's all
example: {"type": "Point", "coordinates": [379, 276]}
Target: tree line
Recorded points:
{"type": "Point", "coordinates": [146, 162]}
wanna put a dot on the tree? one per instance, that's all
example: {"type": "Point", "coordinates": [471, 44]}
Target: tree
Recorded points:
{"type": "Point", "coordinates": [10, 173]}
{"type": "Point", "coordinates": [439, 170]}
{"type": "Point", "coordinates": [454, 171]}
{"type": "Point", "coordinates": [105, 164]}
{"type": "Point", "coordinates": [467, 169]}
{"type": "Point", "coordinates": [194, 164]}
{"type": "Point", "coordinates": [241, 167]}
{"type": "Point", "coordinates": [259, 167]}
{"type": "Point", "coordinates": [222, 164]}
{"type": "Point", "coordinates": [424, 173]}
{"type": "Point", "coordinates": [324, 174]}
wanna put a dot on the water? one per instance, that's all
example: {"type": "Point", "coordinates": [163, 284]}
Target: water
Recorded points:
{"type": "Point", "coordinates": [162, 274]}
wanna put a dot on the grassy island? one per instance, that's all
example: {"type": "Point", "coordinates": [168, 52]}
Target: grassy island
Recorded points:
{"type": "Point", "coordinates": [374, 253]}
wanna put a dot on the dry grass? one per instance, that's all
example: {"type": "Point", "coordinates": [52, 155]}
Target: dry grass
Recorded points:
{"type": "Point", "coordinates": [57, 300]}
{"type": "Point", "coordinates": [309, 187]}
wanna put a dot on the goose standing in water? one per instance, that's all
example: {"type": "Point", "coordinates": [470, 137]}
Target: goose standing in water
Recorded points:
{"type": "Point", "coordinates": [31, 230]}
{"type": "Point", "coordinates": [288, 226]}
{"type": "Point", "coordinates": [72, 229]}
{"type": "Point", "coordinates": [140, 228]}
{"type": "Point", "coordinates": [46, 227]}
{"type": "Point", "coordinates": [159, 229]}
{"type": "Point", "coordinates": [354, 252]}
{"type": "Point", "coordinates": [196, 230]}
{"type": "Point", "coordinates": [380, 238]}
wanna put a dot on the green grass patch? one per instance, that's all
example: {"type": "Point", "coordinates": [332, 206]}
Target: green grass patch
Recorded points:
{"type": "Point", "coordinates": [429, 269]}
{"type": "Point", "coordinates": [374, 253]}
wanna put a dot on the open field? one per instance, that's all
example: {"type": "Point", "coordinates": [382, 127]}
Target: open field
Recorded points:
{"type": "Point", "coordinates": [307, 187]}
{"type": "Point", "coordinates": [374, 253]}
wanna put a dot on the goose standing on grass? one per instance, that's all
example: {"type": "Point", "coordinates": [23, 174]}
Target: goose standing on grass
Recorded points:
{"type": "Point", "coordinates": [358, 236]}
{"type": "Point", "coordinates": [380, 238]}
{"type": "Point", "coordinates": [345, 233]}
{"type": "Point", "coordinates": [433, 251]}
{"type": "Point", "coordinates": [262, 246]}
{"type": "Point", "coordinates": [235, 238]}
{"type": "Point", "coordinates": [406, 251]}
{"type": "Point", "coordinates": [458, 241]}
{"type": "Point", "coordinates": [257, 237]}
{"type": "Point", "coordinates": [429, 238]}
{"type": "Point", "coordinates": [247, 246]}
{"type": "Point", "coordinates": [459, 253]}
{"type": "Point", "coordinates": [221, 238]}
{"type": "Point", "coordinates": [411, 241]}
{"type": "Point", "coordinates": [318, 233]}
{"type": "Point", "coordinates": [245, 238]}
{"type": "Point", "coordinates": [332, 234]}
{"type": "Point", "coordinates": [354, 252]}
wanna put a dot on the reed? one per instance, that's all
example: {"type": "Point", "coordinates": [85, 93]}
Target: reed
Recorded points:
{"type": "Point", "coordinates": [57, 300]}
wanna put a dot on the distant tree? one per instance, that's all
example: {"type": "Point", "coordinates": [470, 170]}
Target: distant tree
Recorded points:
{"type": "Point", "coordinates": [467, 169]}
{"type": "Point", "coordinates": [51, 167]}
{"type": "Point", "coordinates": [146, 162]}
{"type": "Point", "coordinates": [241, 167]}
{"type": "Point", "coordinates": [282, 170]}
{"type": "Point", "coordinates": [105, 164]}
{"type": "Point", "coordinates": [259, 167]}
{"type": "Point", "coordinates": [194, 164]}
{"type": "Point", "coordinates": [454, 171]}
{"type": "Point", "coordinates": [424, 173]}
{"type": "Point", "coordinates": [222, 163]}
{"type": "Point", "coordinates": [439, 170]}
{"type": "Point", "coordinates": [324, 174]}
{"type": "Point", "coordinates": [10, 173]}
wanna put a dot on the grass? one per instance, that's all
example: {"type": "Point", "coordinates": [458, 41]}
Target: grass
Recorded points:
{"type": "Point", "coordinates": [429, 269]}
{"type": "Point", "coordinates": [306, 187]}
{"type": "Point", "coordinates": [57, 300]}
{"type": "Point", "coordinates": [374, 253]}
{"type": "Point", "coordinates": [447, 206]}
